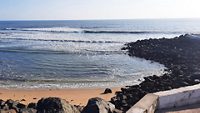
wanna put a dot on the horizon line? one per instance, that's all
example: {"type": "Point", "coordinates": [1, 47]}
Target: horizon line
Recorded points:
{"type": "Point", "coordinates": [95, 19]}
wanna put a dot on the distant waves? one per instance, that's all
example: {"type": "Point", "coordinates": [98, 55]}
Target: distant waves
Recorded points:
{"type": "Point", "coordinates": [54, 40]}
{"type": "Point", "coordinates": [97, 31]}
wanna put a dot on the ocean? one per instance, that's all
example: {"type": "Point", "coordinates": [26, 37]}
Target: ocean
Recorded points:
{"type": "Point", "coordinates": [80, 53]}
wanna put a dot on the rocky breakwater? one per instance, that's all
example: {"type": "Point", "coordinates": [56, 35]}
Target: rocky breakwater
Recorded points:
{"type": "Point", "coordinates": [181, 56]}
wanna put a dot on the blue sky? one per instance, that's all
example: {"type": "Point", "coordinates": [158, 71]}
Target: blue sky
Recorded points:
{"type": "Point", "coordinates": [97, 9]}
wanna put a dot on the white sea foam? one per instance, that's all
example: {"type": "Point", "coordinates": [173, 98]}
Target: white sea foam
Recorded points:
{"type": "Point", "coordinates": [43, 40]}
{"type": "Point", "coordinates": [97, 30]}
{"type": "Point", "coordinates": [54, 29]}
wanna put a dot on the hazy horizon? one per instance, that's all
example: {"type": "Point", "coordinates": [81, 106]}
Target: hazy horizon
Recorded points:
{"type": "Point", "coordinates": [98, 9]}
{"type": "Point", "coordinates": [100, 19]}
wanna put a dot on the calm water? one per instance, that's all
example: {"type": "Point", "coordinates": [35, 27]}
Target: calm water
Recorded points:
{"type": "Point", "coordinates": [79, 53]}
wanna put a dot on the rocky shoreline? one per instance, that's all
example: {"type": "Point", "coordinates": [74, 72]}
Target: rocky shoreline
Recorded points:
{"type": "Point", "coordinates": [180, 55]}
{"type": "Point", "coordinates": [57, 105]}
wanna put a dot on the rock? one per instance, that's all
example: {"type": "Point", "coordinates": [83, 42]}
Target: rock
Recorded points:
{"type": "Point", "coordinates": [55, 105]}
{"type": "Point", "coordinates": [21, 106]}
{"type": "Point", "coordinates": [113, 99]}
{"type": "Point", "coordinates": [23, 100]}
{"type": "Point", "coordinates": [2, 103]}
{"type": "Point", "coordinates": [107, 90]}
{"type": "Point", "coordinates": [13, 105]}
{"type": "Point", "coordinates": [5, 107]}
{"type": "Point", "coordinates": [32, 105]}
{"type": "Point", "coordinates": [7, 111]}
{"type": "Point", "coordinates": [98, 105]}
{"type": "Point", "coordinates": [27, 110]}
{"type": "Point", "coordinates": [117, 111]}
{"type": "Point", "coordinates": [10, 103]}
{"type": "Point", "coordinates": [80, 108]}
{"type": "Point", "coordinates": [197, 80]}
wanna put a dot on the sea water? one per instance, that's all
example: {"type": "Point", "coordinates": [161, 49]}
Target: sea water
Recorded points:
{"type": "Point", "coordinates": [80, 53]}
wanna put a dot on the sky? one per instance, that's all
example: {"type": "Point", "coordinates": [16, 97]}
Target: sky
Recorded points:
{"type": "Point", "coordinates": [97, 9]}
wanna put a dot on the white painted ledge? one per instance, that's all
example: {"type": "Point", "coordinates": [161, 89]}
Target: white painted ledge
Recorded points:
{"type": "Point", "coordinates": [179, 97]}
{"type": "Point", "coordinates": [167, 99]}
{"type": "Point", "coordinates": [146, 105]}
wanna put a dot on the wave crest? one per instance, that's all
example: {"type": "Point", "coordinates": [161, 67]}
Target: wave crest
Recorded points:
{"type": "Point", "coordinates": [55, 40]}
{"type": "Point", "coordinates": [97, 31]}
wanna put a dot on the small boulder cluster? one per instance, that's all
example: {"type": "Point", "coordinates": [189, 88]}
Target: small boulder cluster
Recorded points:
{"type": "Point", "coordinates": [58, 105]}
{"type": "Point", "coordinates": [11, 106]}
{"type": "Point", "coordinates": [44, 105]}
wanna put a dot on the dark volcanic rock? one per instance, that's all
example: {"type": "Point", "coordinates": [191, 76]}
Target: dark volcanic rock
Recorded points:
{"type": "Point", "coordinates": [181, 57]}
{"type": "Point", "coordinates": [21, 106]}
{"type": "Point", "coordinates": [27, 110]}
{"type": "Point", "coordinates": [2, 103]}
{"type": "Point", "coordinates": [11, 104]}
{"type": "Point", "coordinates": [55, 105]}
{"type": "Point", "coordinates": [7, 111]}
{"type": "Point", "coordinates": [32, 105]}
{"type": "Point", "coordinates": [98, 105]}
{"type": "Point", "coordinates": [80, 108]}
{"type": "Point", "coordinates": [107, 90]}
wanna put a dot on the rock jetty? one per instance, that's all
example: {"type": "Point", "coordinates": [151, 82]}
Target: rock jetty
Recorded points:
{"type": "Point", "coordinates": [181, 57]}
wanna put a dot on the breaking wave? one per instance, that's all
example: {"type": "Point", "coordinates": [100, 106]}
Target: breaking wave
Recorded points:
{"type": "Point", "coordinates": [97, 31]}
{"type": "Point", "coordinates": [54, 40]}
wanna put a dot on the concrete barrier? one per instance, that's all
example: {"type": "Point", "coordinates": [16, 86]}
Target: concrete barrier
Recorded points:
{"type": "Point", "coordinates": [167, 99]}
{"type": "Point", "coordinates": [146, 105]}
{"type": "Point", "coordinates": [179, 97]}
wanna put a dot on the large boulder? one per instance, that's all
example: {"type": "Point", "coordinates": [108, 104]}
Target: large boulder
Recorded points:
{"type": "Point", "coordinates": [98, 105]}
{"type": "Point", "coordinates": [55, 105]}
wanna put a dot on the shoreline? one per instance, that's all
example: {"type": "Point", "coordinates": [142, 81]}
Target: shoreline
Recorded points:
{"type": "Point", "coordinates": [75, 96]}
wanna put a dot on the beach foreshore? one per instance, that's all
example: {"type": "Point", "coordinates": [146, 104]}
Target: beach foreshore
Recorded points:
{"type": "Point", "coordinates": [75, 96]}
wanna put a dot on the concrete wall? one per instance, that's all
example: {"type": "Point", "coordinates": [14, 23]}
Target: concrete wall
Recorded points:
{"type": "Point", "coordinates": [146, 105]}
{"type": "Point", "coordinates": [179, 97]}
{"type": "Point", "coordinates": [167, 99]}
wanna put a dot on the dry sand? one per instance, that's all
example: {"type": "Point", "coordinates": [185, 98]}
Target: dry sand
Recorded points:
{"type": "Point", "coordinates": [74, 96]}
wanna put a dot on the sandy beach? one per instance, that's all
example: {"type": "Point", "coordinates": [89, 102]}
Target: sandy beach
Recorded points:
{"type": "Point", "coordinates": [74, 96]}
